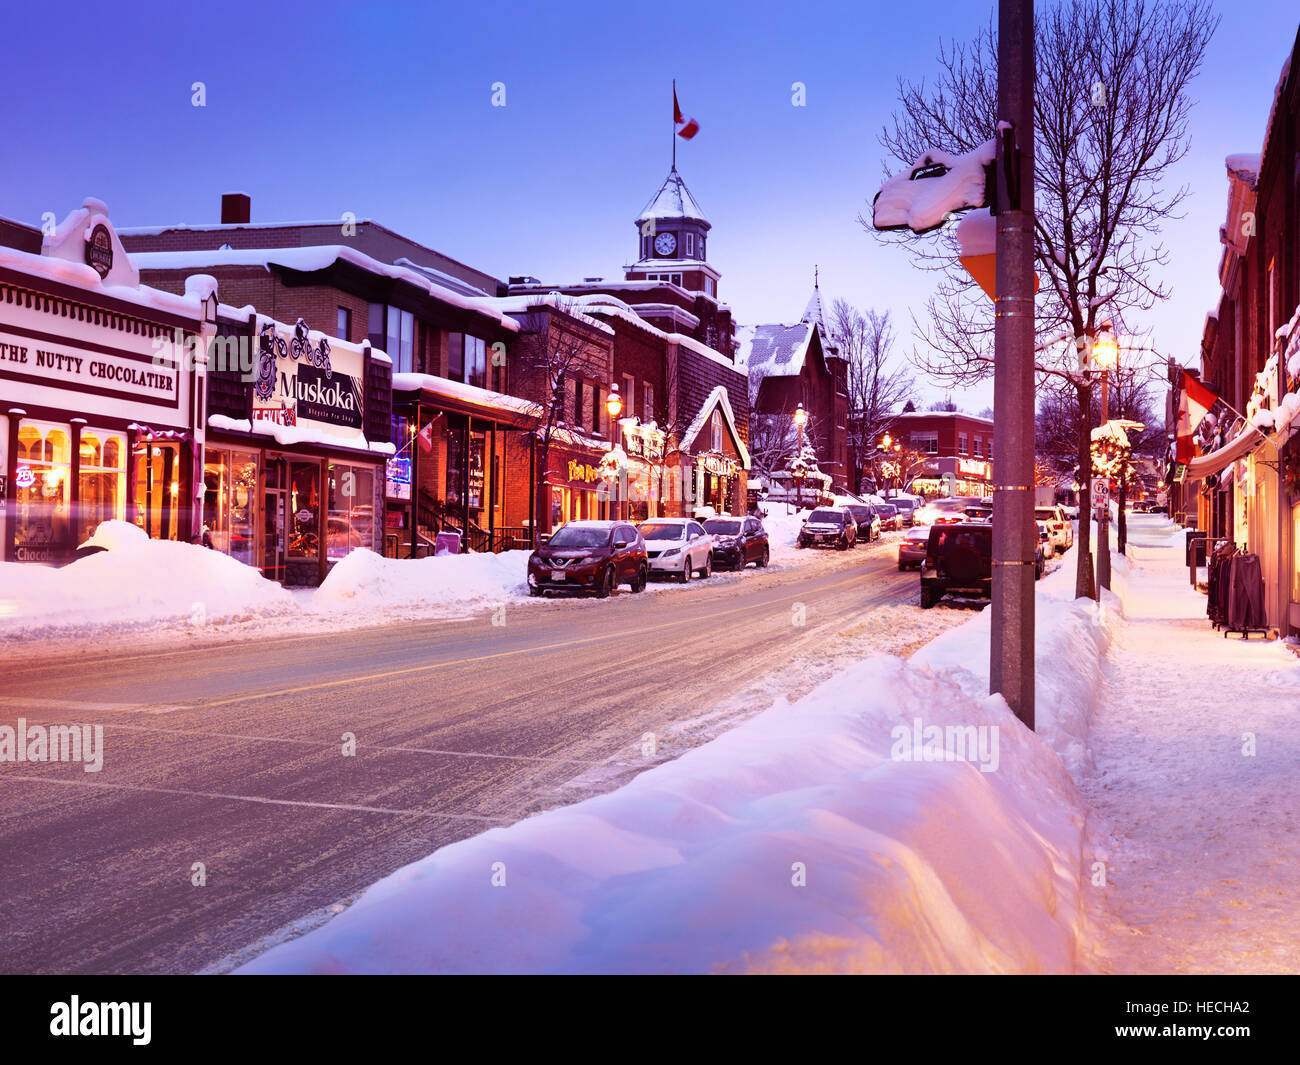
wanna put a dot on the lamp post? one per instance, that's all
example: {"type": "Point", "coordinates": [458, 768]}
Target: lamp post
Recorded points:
{"type": "Point", "coordinates": [800, 416]}
{"type": "Point", "coordinates": [1105, 356]}
{"type": "Point", "coordinates": [614, 405]}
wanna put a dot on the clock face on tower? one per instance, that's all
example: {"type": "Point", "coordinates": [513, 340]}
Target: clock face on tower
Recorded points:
{"type": "Point", "coordinates": [665, 243]}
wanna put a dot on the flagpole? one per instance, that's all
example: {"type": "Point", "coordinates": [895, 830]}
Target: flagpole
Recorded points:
{"type": "Point", "coordinates": [674, 133]}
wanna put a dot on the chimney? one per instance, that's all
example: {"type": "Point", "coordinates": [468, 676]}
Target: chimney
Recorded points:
{"type": "Point", "coordinates": [236, 208]}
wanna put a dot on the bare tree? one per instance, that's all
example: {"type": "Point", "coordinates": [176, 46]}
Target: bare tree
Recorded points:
{"type": "Point", "coordinates": [1111, 111]}
{"type": "Point", "coordinates": [877, 384]}
{"type": "Point", "coordinates": [552, 351]}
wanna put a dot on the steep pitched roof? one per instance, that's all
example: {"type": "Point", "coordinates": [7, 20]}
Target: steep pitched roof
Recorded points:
{"type": "Point", "coordinates": [717, 398]}
{"type": "Point", "coordinates": [815, 313]}
{"type": "Point", "coordinates": [673, 200]}
{"type": "Point", "coordinates": [773, 350]}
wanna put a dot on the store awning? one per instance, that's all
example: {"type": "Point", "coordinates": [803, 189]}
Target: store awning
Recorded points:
{"type": "Point", "coordinates": [1237, 448]}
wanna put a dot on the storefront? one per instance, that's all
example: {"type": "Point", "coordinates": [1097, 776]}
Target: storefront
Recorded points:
{"type": "Point", "coordinates": [949, 474]}
{"type": "Point", "coordinates": [577, 488]}
{"type": "Point", "coordinates": [297, 485]}
{"type": "Point", "coordinates": [97, 394]}
{"type": "Point", "coordinates": [641, 488]}
{"type": "Point", "coordinates": [714, 459]}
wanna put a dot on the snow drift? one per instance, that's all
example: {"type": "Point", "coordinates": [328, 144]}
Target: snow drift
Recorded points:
{"type": "Point", "coordinates": [364, 582]}
{"type": "Point", "coordinates": [134, 581]}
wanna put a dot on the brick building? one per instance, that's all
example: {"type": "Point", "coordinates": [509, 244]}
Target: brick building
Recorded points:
{"type": "Point", "coordinates": [948, 442]}
{"type": "Point", "coordinates": [789, 365]}
{"type": "Point", "coordinates": [1245, 486]}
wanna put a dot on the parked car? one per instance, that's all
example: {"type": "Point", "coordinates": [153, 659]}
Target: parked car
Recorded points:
{"type": "Point", "coordinates": [867, 520]}
{"type": "Point", "coordinates": [888, 517]}
{"type": "Point", "coordinates": [906, 510]}
{"type": "Point", "coordinates": [829, 526]}
{"type": "Point", "coordinates": [958, 558]}
{"type": "Point", "coordinates": [677, 547]}
{"type": "Point", "coordinates": [1058, 525]}
{"type": "Point", "coordinates": [911, 548]}
{"type": "Point", "coordinates": [941, 512]}
{"type": "Point", "coordinates": [1046, 547]}
{"type": "Point", "coordinates": [738, 542]}
{"type": "Point", "coordinates": [589, 556]}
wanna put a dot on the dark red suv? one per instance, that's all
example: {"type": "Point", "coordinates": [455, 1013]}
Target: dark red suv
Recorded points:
{"type": "Point", "coordinates": [589, 556]}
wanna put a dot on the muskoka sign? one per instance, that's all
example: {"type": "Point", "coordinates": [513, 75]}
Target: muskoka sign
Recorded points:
{"type": "Point", "coordinates": [299, 382]}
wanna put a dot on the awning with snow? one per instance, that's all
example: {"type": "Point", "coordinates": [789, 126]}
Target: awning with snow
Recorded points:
{"type": "Point", "coordinates": [1235, 449]}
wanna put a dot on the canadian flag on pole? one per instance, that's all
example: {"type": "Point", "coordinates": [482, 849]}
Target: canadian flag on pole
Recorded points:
{"type": "Point", "coordinates": [689, 126]}
{"type": "Point", "coordinates": [1194, 404]}
{"type": "Point", "coordinates": [426, 438]}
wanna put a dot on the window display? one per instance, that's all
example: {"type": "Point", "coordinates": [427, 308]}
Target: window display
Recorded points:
{"type": "Point", "coordinates": [101, 479]}
{"type": "Point", "coordinates": [304, 509]}
{"type": "Point", "coordinates": [351, 509]}
{"type": "Point", "coordinates": [42, 492]}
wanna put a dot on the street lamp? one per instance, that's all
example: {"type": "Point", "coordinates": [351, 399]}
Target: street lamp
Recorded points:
{"type": "Point", "coordinates": [614, 405]}
{"type": "Point", "coordinates": [1105, 357]}
{"type": "Point", "coordinates": [800, 416]}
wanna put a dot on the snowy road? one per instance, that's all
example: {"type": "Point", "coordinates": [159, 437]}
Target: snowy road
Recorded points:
{"type": "Point", "coordinates": [232, 756]}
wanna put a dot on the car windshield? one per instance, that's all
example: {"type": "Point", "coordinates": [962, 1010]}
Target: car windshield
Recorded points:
{"type": "Point", "coordinates": [579, 536]}
{"type": "Point", "coordinates": [860, 513]}
{"type": "Point", "coordinates": [921, 532]}
{"type": "Point", "coordinates": [722, 528]}
{"type": "Point", "coordinates": [827, 517]}
{"type": "Point", "coordinates": [662, 530]}
{"type": "Point", "coordinates": [903, 504]}
{"type": "Point", "coordinates": [1045, 513]}
{"type": "Point", "coordinates": [887, 509]}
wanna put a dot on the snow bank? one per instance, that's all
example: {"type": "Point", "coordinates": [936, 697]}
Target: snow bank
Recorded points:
{"type": "Point", "coordinates": [133, 581]}
{"type": "Point", "coordinates": [798, 842]}
{"type": "Point", "coordinates": [364, 583]}
{"type": "Point", "coordinates": [1070, 640]}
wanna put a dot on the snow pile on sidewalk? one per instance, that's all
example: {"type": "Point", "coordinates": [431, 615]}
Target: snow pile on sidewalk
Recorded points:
{"type": "Point", "coordinates": [366, 583]}
{"type": "Point", "coordinates": [1070, 640]}
{"type": "Point", "coordinates": [134, 581]}
{"type": "Point", "coordinates": [805, 840]}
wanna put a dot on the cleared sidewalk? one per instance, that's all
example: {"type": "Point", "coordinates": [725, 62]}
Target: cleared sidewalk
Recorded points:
{"type": "Point", "coordinates": [1203, 874]}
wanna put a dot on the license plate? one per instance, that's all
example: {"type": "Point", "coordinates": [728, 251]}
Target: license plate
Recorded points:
{"type": "Point", "coordinates": [557, 575]}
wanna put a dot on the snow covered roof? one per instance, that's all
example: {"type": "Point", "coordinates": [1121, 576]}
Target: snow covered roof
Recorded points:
{"type": "Point", "coordinates": [774, 350]}
{"type": "Point", "coordinates": [1245, 167]}
{"type": "Point", "coordinates": [938, 183]}
{"type": "Point", "coordinates": [318, 257]}
{"type": "Point", "coordinates": [673, 200]}
{"type": "Point", "coordinates": [717, 399]}
{"type": "Point", "coordinates": [814, 313]}
{"type": "Point", "coordinates": [524, 302]}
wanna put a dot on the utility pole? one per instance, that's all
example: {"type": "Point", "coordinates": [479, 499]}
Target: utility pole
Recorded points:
{"type": "Point", "coordinates": [1011, 671]}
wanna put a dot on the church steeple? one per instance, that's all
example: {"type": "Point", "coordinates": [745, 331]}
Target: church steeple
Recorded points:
{"type": "Point", "coordinates": [815, 313]}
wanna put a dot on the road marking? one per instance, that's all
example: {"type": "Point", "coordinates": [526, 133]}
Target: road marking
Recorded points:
{"type": "Point", "coordinates": [331, 745]}
{"type": "Point", "coordinates": [675, 623]}
{"type": "Point", "coordinates": [253, 798]}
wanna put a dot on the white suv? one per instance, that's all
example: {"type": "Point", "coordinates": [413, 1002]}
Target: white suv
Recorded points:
{"type": "Point", "coordinates": [1058, 525]}
{"type": "Point", "coordinates": [677, 547]}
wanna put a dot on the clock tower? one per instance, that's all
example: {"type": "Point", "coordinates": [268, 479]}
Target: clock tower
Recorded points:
{"type": "Point", "coordinates": [672, 239]}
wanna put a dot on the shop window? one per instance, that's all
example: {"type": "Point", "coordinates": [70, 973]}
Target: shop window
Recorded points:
{"type": "Point", "coordinates": [962, 448]}
{"type": "Point", "coordinates": [647, 401]}
{"type": "Point", "coordinates": [344, 326]}
{"type": "Point", "coordinates": [229, 502]}
{"type": "Point", "coordinates": [715, 432]}
{"type": "Point", "coordinates": [351, 510]}
{"type": "Point", "coordinates": [43, 475]}
{"type": "Point", "coordinates": [926, 443]}
{"type": "Point", "coordinates": [101, 479]}
{"type": "Point", "coordinates": [304, 509]}
{"type": "Point", "coordinates": [1295, 553]}
{"type": "Point", "coordinates": [467, 359]}
{"type": "Point", "coordinates": [393, 330]}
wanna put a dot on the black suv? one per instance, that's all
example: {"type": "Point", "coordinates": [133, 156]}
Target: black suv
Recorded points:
{"type": "Point", "coordinates": [958, 558]}
{"type": "Point", "coordinates": [831, 526]}
{"type": "Point", "coordinates": [738, 541]}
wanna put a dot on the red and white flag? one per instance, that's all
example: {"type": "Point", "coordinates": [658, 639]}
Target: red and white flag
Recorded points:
{"type": "Point", "coordinates": [426, 438]}
{"type": "Point", "coordinates": [1194, 403]}
{"type": "Point", "coordinates": [689, 126]}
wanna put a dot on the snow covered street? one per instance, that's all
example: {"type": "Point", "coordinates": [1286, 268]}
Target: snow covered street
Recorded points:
{"type": "Point", "coordinates": [1202, 877]}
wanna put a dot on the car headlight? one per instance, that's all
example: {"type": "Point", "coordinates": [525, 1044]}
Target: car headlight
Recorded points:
{"type": "Point", "coordinates": [670, 554]}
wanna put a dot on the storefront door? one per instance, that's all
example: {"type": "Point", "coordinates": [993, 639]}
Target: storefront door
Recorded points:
{"type": "Point", "coordinates": [275, 526]}
{"type": "Point", "coordinates": [156, 471]}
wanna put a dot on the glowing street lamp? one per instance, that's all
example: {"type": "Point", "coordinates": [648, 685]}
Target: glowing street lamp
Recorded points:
{"type": "Point", "coordinates": [614, 405]}
{"type": "Point", "coordinates": [800, 416]}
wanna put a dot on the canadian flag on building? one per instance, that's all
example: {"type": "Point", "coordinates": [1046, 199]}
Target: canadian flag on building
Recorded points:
{"type": "Point", "coordinates": [426, 438]}
{"type": "Point", "coordinates": [1194, 403]}
{"type": "Point", "coordinates": [689, 126]}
